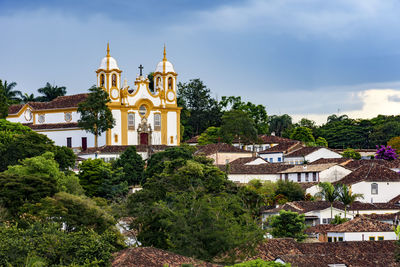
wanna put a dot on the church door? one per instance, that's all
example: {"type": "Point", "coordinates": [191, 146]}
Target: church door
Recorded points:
{"type": "Point", "coordinates": [144, 138]}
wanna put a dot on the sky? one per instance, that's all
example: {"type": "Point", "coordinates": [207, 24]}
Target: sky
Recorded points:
{"type": "Point", "coordinates": [305, 58]}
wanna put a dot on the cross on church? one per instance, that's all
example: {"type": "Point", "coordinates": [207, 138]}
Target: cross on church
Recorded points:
{"type": "Point", "coordinates": [141, 69]}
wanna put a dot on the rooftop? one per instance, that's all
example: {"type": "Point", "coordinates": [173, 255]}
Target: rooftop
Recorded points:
{"type": "Point", "coordinates": [220, 148]}
{"type": "Point", "coordinates": [304, 151]}
{"type": "Point", "coordinates": [362, 224]}
{"type": "Point", "coordinates": [309, 168]}
{"type": "Point", "coordinates": [282, 147]}
{"type": "Point", "coordinates": [370, 173]}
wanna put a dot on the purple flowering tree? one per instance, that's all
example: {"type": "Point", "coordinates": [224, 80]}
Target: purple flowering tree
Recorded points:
{"type": "Point", "coordinates": [385, 152]}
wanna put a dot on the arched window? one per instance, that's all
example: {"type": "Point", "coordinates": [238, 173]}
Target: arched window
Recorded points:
{"type": "Point", "coordinates": [374, 188]}
{"type": "Point", "coordinates": [102, 80]}
{"type": "Point", "coordinates": [142, 110]}
{"type": "Point", "coordinates": [157, 122]}
{"type": "Point", "coordinates": [170, 83]}
{"type": "Point", "coordinates": [158, 83]}
{"type": "Point", "coordinates": [114, 80]}
{"type": "Point", "coordinates": [131, 121]}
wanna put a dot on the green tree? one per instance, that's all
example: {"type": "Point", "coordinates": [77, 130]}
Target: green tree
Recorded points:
{"type": "Point", "coordinates": [279, 124]}
{"type": "Point", "coordinates": [238, 124]}
{"type": "Point", "coordinates": [339, 220]}
{"type": "Point", "coordinates": [95, 116]}
{"type": "Point", "coordinates": [50, 92]}
{"type": "Point", "coordinates": [74, 213]}
{"type": "Point", "coordinates": [259, 263]}
{"type": "Point", "coordinates": [291, 190]}
{"type": "Point", "coordinates": [329, 192]}
{"type": "Point", "coordinates": [3, 103]}
{"type": "Point", "coordinates": [200, 110]}
{"type": "Point", "coordinates": [9, 92]}
{"type": "Point", "coordinates": [211, 135]}
{"type": "Point", "coordinates": [25, 98]}
{"type": "Point", "coordinates": [16, 190]}
{"type": "Point", "coordinates": [350, 153]}
{"type": "Point", "coordinates": [346, 197]}
{"type": "Point", "coordinates": [321, 142]}
{"type": "Point", "coordinates": [394, 142]}
{"type": "Point", "coordinates": [45, 166]}
{"type": "Point", "coordinates": [303, 134]}
{"type": "Point", "coordinates": [304, 122]}
{"type": "Point", "coordinates": [132, 165]}
{"type": "Point", "coordinates": [288, 224]}
{"type": "Point", "coordinates": [150, 76]}
{"type": "Point", "coordinates": [99, 179]}
{"type": "Point", "coordinates": [65, 157]}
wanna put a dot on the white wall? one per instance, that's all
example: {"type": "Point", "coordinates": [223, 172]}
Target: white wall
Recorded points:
{"type": "Point", "coordinates": [245, 178]}
{"type": "Point", "coordinates": [294, 160]}
{"type": "Point", "coordinates": [293, 177]}
{"type": "Point", "coordinates": [272, 157]}
{"type": "Point", "coordinates": [322, 153]}
{"type": "Point", "coordinates": [326, 214]}
{"type": "Point", "coordinates": [117, 128]}
{"type": "Point", "coordinates": [386, 191]}
{"type": "Point", "coordinates": [333, 174]}
{"type": "Point", "coordinates": [60, 137]}
{"type": "Point", "coordinates": [172, 128]}
{"type": "Point", "coordinates": [363, 236]}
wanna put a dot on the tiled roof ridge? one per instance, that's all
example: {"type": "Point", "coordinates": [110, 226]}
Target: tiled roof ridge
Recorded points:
{"type": "Point", "coordinates": [362, 224]}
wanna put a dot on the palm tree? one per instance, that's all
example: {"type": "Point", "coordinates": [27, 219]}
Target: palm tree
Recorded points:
{"type": "Point", "coordinates": [25, 98]}
{"type": "Point", "coordinates": [51, 92]}
{"type": "Point", "coordinates": [9, 92]}
{"type": "Point", "coordinates": [279, 124]}
{"type": "Point", "coordinates": [347, 197]}
{"type": "Point", "coordinates": [329, 193]}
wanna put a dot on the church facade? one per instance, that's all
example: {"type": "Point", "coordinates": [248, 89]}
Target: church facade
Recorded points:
{"type": "Point", "coordinates": [143, 116]}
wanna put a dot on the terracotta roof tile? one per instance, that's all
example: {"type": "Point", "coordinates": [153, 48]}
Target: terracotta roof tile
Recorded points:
{"type": "Point", "coordinates": [319, 229]}
{"type": "Point", "coordinates": [305, 206]}
{"type": "Point", "coordinates": [395, 200]}
{"type": "Point", "coordinates": [282, 147]}
{"type": "Point", "coordinates": [14, 109]}
{"type": "Point", "coordinates": [265, 168]}
{"type": "Point", "coordinates": [385, 216]}
{"type": "Point", "coordinates": [153, 257]}
{"type": "Point", "coordinates": [357, 205]}
{"type": "Point", "coordinates": [220, 148]}
{"type": "Point", "coordinates": [193, 140]}
{"type": "Point", "coordinates": [370, 173]}
{"type": "Point", "coordinates": [52, 125]}
{"type": "Point", "coordinates": [355, 164]}
{"type": "Point", "coordinates": [273, 139]}
{"type": "Point", "coordinates": [304, 151]}
{"type": "Point", "coordinates": [309, 168]}
{"type": "Point", "coordinates": [362, 224]}
{"type": "Point", "coordinates": [245, 160]}
{"type": "Point", "coordinates": [341, 161]}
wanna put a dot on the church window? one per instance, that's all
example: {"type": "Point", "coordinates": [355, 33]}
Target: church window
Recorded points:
{"type": "Point", "coordinates": [41, 118]}
{"type": "Point", "coordinates": [142, 110]}
{"type": "Point", "coordinates": [158, 83]}
{"type": "Point", "coordinates": [114, 80]}
{"type": "Point", "coordinates": [157, 122]}
{"type": "Point", "coordinates": [131, 121]}
{"type": "Point", "coordinates": [102, 80]}
{"type": "Point", "coordinates": [116, 138]}
{"type": "Point", "coordinates": [374, 188]}
{"type": "Point", "coordinates": [69, 142]}
{"type": "Point", "coordinates": [170, 83]}
{"type": "Point", "coordinates": [68, 116]}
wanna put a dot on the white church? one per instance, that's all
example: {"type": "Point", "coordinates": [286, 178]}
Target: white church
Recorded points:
{"type": "Point", "coordinates": [142, 116]}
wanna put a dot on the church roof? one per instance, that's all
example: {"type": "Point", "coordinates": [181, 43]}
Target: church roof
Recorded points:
{"type": "Point", "coordinates": [113, 63]}
{"type": "Point", "coordinates": [46, 126]}
{"type": "Point", "coordinates": [168, 67]}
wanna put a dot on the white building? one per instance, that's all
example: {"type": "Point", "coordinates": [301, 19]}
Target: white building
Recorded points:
{"type": "Point", "coordinates": [276, 153]}
{"type": "Point", "coordinates": [310, 154]}
{"type": "Point", "coordinates": [142, 116]}
{"type": "Point", "coordinates": [361, 229]}
{"type": "Point", "coordinates": [328, 172]}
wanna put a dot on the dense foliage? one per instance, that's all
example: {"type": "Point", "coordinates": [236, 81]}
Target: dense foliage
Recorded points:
{"type": "Point", "coordinates": [350, 153]}
{"type": "Point", "coordinates": [386, 153]}
{"type": "Point", "coordinates": [288, 224]}
{"type": "Point", "coordinates": [132, 165]}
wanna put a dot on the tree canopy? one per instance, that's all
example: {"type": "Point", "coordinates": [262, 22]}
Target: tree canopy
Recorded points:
{"type": "Point", "coordinates": [132, 165]}
{"type": "Point", "coordinates": [50, 92]}
{"type": "Point", "coordinates": [288, 224]}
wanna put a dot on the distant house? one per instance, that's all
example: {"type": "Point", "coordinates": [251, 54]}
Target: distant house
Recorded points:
{"type": "Point", "coordinates": [194, 141]}
{"type": "Point", "coordinates": [394, 165]}
{"type": "Point", "coordinates": [276, 154]}
{"type": "Point", "coordinates": [361, 229]}
{"type": "Point", "coordinates": [376, 182]}
{"type": "Point", "coordinates": [391, 218]}
{"type": "Point", "coordinates": [310, 154]}
{"type": "Point", "coordinates": [328, 172]}
{"type": "Point", "coordinates": [264, 142]}
{"type": "Point", "coordinates": [319, 231]}
{"type": "Point", "coordinates": [315, 212]}
{"type": "Point", "coordinates": [223, 154]}
{"type": "Point", "coordinates": [243, 170]}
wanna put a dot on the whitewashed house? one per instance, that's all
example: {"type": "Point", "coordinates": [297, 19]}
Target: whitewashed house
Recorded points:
{"type": "Point", "coordinates": [361, 229]}
{"type": "Point", "coordinates": [276, 154]}
{"type": "Point", "coordinates": [310, 154]}
{"type": "Point", "coordinates": [222, 153]}
{"type": "Point", "coordinates": [377, 183]}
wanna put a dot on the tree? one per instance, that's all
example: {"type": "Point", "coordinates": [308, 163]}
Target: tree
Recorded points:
{"type": "Point", "coordinates": [200, 111]}
{"type": "Point", "coordinates": [329, 193]}
{"type": "Point", "coordinates": [279, 124]}
{"type": "Point", "coordinates": [321, 142]}
{"type": "Point", "coordinates": [9, 92]}
{"type": "Point", "coordinates": [210, 136]}
{"type": "Point", "coordinates": [65, 157]}
{"type": "Point", "coordinates": [303, 134]}
{"type": "Point", "coordinates": [95, 116]}
{"type": "Point", "coordinates": [238, 124]}
{"type": "Point", "coordinates": [304, 122]}
{"type": "Point", "coordinates": [386, 153]}
{"type": "Point", "coordinates": [132, 165]}
{"type": "Point", "coordinates": [347, 197]}
{"type": "Point", "coordinates": [3, 103]}
{"type": "Point", "coordinates": [260, 263]}
{"type": "Point", "coordinates": [339, 220]}
{"type": "Point", "coordinates": [394, 142]}
{"type": "Point", "coordinates": [288, 224]}
{"type": "Point", "coordinates": [292, 191]}
{"type": "Point", "coordinates": [99, 179]}
{"type": "Point", "coordinates": [350, 153]}
{"type": "Point", "coordinates": [50, 92]}
{"type": "Point", "coordinates": [150, 76]}
{"type": "Point", "coordinates": [25, 98]}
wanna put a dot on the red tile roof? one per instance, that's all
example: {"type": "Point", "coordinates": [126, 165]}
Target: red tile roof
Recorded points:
{"type": "Point", "coordinates": [340, 161]}
{"type": "Point", "coordinates": [14, 109]}
{"type": "Point", "coordinates": [193, 140]}
{"type": "Point", "coordinates": [370, 173]}
{"type": "Point", "coordinates": [383, 217]}
{"type": "Point", "coordinates": [355, 164]}
{"type": "Point", "coordinates": [305, 206]}
{"type": "Point", "coordinates": [153, 257]}
{"type": "Point", "coordinates": [395, 200]}
{"type": "Point", "coordinates": [242, 161]}
{"type": "Point", "coordinates": [273, 139]}
{"type": "Point", "coordinates": [46, 126]}
{"type": "Point", "coordinates": [282, 147]}
{"type": "Point", "coordinates": [362, 224]}
{"type": "Point", "coordinates": [220, 148]}
{"type": "Point", "coordinates": [319, 229]}
{"type": "Point", "coordinates": [304, 151]}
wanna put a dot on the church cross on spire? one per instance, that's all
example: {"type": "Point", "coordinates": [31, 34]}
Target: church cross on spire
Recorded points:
{"type": "Point", "coordinates": [108, 49]}
{"type": "Point", "coordinates": [141, 69]}
{"type": "Point", "coordinates": [165, 54]}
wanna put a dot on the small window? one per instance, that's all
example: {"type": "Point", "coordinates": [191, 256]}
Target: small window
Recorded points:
{"type": "Point", "coordinates": [374, 189]}
{"type": "Point", "coordinates": [335, 239]}
{"type": "Point", "coordinates": [169, 83]}
{"type": "Point", "coordinates": [372, 238]}
{"type": "Point", "coordinates": [102, 80]}
{"type": "Point", "coordinates": [116, 138]}
{"type": "Point", "coordinates": [84, 143]}
{"type": "Point", "coordinates": [226, 161]}
{"type": "Point", "coordinates": [286, 176]}
{"type": "Point", "coordinates": [279, 159]}
{"type": "Point", "coordinates": [380, 238]}
{"type": "Point", "coordinates": [131, 121]}
{"type": "Point", "coordinates": [114, 80]}
{"type": "Point", "coordinates": [142, 110]}
{"type": "Point", "coordinates": [340, 239]}
{"type": "Point", "coordinates": [329, 239]}
{"type": "Point", "coordinates": [41, 118]}
{"type": "Point", "coordinates": [69, 141]}
{"type": "Point", "coordinates": [314, 176]}
{"type": "Point", "coordinates": [271, 160]}
{"type": "Point", "coordinates": [299, 177]}
{"type": "Point", "coordinates": [157, 122]}
{"type": "Point", "coordinates": [306, 176]}
{"type": "Point", "coordinates": [324, 221]}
